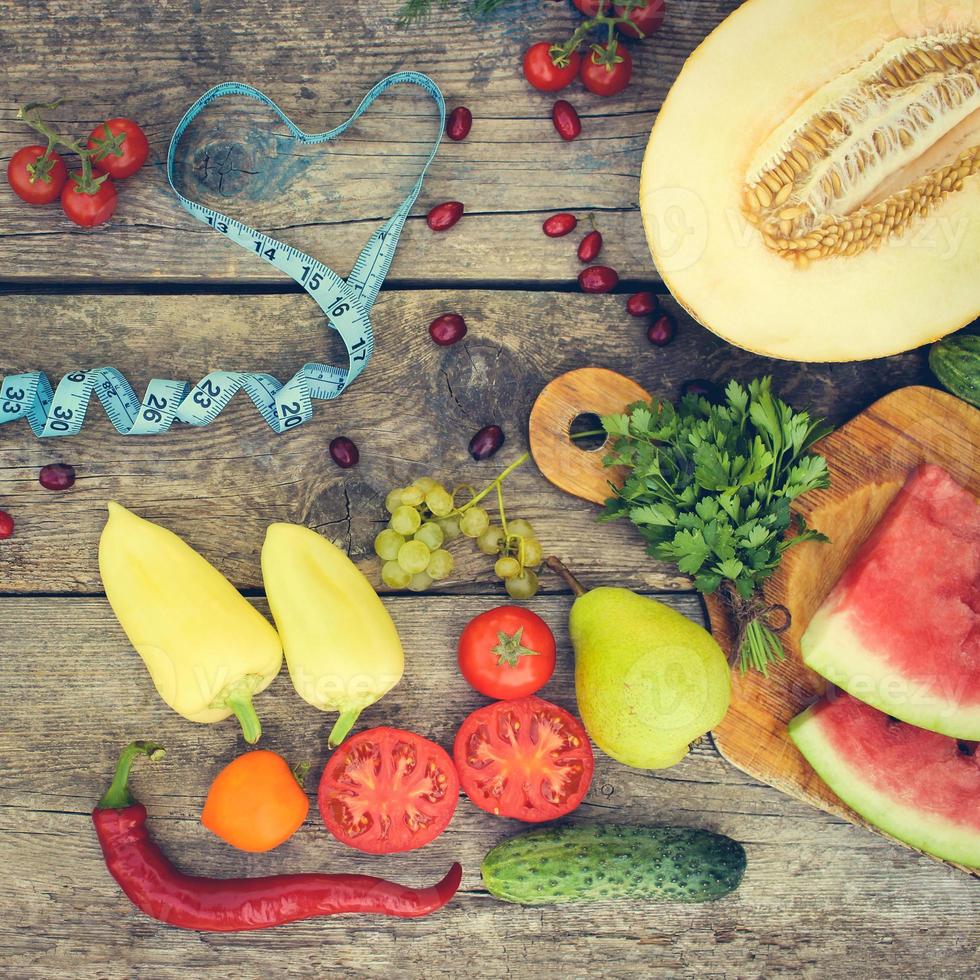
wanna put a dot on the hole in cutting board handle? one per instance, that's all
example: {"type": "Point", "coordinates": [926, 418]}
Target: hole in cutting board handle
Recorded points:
{"type": "Point", "coordinates": [587, 422]}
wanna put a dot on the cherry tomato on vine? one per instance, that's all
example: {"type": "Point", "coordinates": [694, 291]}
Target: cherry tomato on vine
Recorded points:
{"type": "Point", "coordinates": [644, 20]}
{"type": "Point", "coordinates": [34, 180]}
{"type": "Point", "coordinates": [541, 71]}
{"type": "Point", "coordinates": [89, 207]}
{"type": "Point", "coordinates": [606, 72]}
{"type": "Point", "coordinates": [120, 147]}
{"type": "Point", "coordinates": [527, 759]}
{"type": "Point", "coordinates": [387, 790]}
{"type": "Point", "coordinates": [507, 652]}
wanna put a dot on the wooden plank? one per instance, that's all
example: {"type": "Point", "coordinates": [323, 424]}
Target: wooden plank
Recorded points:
{"type": "Point", "coordinates": [511, 172]}
{"type": "Point", "coordinates": [413, 412]}
{"type": "Point", "coordinates": [820, 898]}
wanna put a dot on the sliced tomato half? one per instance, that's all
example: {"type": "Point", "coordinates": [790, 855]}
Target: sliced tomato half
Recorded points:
{"type": "Point", "coordinates": [527, 759]}
{"type": "Point", "coordinates": [388, 790]}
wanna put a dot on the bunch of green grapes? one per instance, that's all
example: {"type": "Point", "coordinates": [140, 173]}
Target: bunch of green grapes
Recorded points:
{"type": "Point", "coordinates": [424, 517]}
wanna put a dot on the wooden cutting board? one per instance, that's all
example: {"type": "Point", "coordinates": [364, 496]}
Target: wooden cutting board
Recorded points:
{"type": "Point", "coordinates": [869, 459]}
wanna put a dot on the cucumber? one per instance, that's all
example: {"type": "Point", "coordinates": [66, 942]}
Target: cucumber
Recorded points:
{"type": "Point", "coordinates": [602, 861]}
{"type": "Point", "coordinates": [956, 362]}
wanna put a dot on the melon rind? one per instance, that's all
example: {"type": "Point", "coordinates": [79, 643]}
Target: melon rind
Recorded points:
{"type": "Point", "coordinates": [752, 73]}
{"type": "Point", "coordinates": [927, 832]}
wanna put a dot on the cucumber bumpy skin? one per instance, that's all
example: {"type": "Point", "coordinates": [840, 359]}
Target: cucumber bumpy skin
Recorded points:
{"type": "Point", "coordinates": [608, 861]}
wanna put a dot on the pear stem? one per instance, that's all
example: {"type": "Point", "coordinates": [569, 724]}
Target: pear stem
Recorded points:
{"type": "Point", "coordinates": [560, 569]}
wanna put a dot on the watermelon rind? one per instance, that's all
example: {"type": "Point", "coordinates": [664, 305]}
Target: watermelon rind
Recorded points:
{"type": "Point", "coordinates": [926, 831]}
{"type": "Point", "coordinates": [881, 685]}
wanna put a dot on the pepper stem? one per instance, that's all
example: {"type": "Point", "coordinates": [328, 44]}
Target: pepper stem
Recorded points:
{"type": "Point", "coordinates": [559, 568]}
{"type": "Point", "coordinates": [238, 697]}
{"type": "Point", "coordinates": [342, 727]}
{"type": "Point", "coordinates": [117, 796]}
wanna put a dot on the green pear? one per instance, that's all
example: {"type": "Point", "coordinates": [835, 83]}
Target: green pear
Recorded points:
{"type": "Point", "coordinates": [648, 680]}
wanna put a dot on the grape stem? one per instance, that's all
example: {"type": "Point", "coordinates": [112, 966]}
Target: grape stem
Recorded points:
{"type": "Point", "coordinates": [494, 483]}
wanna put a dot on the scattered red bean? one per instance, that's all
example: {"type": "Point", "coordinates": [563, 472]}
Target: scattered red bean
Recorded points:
{"type": "Point", "coordinates": [344, 453]}
{"type": "Point", "coordinates": [6, 525]}
{"type": "Point", "coordinates": [566, 120]}
{"type": "Point", "coordinates": [447, 329]}
{"type": "Point", "coordinates": [590, 247]}
{"type": "Point", "coordinates": [560, 224]}
{"type": "Point", "coordinates": [486, 442]}
{"type": "Point", "coordinates": [443, 216]}
{"type": "Point", "coordinates": [459, 123]}
{"type": "Point", "coordinates": [700, 387]}
{"type": "Point", "coordinates": [641, 304]}
{"type": "Point", "coordinates": [661, 332]}
{"type": "Point", "coordinates": [57, 476]}
{"type": "Point", "coordinates": [598, 279]}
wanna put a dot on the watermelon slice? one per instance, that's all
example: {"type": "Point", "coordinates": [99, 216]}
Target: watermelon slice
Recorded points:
{"type": "Point", "coordinates": [917, 786]}
{"type": "Point", "coordinates": [901, 628]}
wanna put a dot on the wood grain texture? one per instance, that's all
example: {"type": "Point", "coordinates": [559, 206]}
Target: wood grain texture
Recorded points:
{"type": "Point", "coordinates": [869, 460]}
{"type": "Point", "coordinates": [317, 62]}
{"type": "Point", "coordinates": [820, 897]}
{"type": "Point", "coordinates": [413, 412]}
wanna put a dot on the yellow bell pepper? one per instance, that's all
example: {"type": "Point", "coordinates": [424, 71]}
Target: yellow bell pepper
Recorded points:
{"type": "Point", "coordinates": [206, 648]}
{"type": "Point", "coordinates": [341, 646]}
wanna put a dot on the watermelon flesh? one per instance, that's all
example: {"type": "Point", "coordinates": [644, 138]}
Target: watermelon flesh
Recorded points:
{"type": "Point", "coordinates": [901, 628]}
{"type": "Point", "coordinates": [917, 786]}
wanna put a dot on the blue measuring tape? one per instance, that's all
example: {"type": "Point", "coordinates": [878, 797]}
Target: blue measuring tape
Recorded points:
{"type": "Point", "coordinates": [345, 302]}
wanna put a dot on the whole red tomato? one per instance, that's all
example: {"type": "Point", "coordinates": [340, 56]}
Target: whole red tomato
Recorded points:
{"type": "Point", "coordinates": [89, 205]}
{"type": "Point", "coordinates": [607, 72]}
{"type": "Point", "coordinates": [36, 180]}
{"type": "Point", "coordinates": [542, 72]}
{"type": "Point", "coordinates": [120, 147]}
{"type": "Point", "coordinates": [527, 759]}
{"type": "Point", "coordinates": [644, 20]}
{"type": "Point", "coordinates": [507, 652]}
{"type": "Point", "coordinates": [387, 790]}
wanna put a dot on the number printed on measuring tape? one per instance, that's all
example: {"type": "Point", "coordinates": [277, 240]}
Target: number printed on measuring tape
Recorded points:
{"type": "Point", "coordinates": [346, 303]}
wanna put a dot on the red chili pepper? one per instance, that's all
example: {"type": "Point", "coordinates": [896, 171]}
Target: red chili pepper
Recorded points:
{"type": "Point", "coordinates": [235, 904]}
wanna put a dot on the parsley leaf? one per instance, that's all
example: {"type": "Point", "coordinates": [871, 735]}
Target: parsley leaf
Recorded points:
{"type": "Point", "coordinates": [710, 487]}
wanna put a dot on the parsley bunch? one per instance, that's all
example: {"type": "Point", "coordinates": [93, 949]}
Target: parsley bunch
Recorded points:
{"type": "Point", "coordinates": [413, 11]}
{"type": "Point", "coordinates": [710, 488]}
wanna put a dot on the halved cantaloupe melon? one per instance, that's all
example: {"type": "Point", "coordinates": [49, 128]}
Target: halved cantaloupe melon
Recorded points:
{"type": "Point", "coordinates": [811, 189]}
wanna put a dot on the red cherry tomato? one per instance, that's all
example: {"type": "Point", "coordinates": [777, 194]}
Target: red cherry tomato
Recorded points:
{"type": "Point", "coordinates": [120, 147]}
{"type": "Point", "coordinates": [507, 652]}
{"type": "Point", "coordinates": [87, 209]}
{"type": "Point", "coordinates": [527, 759]}
{"type": "Point", "coordinates": [604, 78]}
{"type": "Point", "coordinates": [644, 20]}
{"type": "Point", "coordinates": [541, 71]}
{"type": "Point", "coordinates": [34, 180]}
{"type": "Point", "coordinates": [387, 790]}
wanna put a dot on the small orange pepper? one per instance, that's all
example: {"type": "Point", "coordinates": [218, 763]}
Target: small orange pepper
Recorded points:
{"type": "Point", "coordinates": [256, 802]}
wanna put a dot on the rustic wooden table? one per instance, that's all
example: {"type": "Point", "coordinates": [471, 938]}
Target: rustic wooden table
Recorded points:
{"type": "Point", "coordinates": [157, 294]}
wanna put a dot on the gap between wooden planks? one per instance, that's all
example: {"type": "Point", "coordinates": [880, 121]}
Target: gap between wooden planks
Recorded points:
{"type": "Point", "coordinates": [820, 898]}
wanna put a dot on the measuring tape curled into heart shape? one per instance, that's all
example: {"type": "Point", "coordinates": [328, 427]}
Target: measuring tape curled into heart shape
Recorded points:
{"type": "Point", "coordinates": [345, 302]}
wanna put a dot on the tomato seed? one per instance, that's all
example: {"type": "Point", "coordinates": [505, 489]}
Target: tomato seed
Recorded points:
{"type": "Point", "coordinates": [459, 123]}
{"type": "Point", "coordinates": [344, 452]}
{"type": "Point", "coordinates": [57, 476]}
{"type": "Point", "coordinates": [566, 120]}
{"type": "Point", "coordinates": [641, 304]}
{"type": "Point", "coordinates": [661, 332]}
{"type": "Point", "coordinates": [447, 329]}
{"type": "Point", "coordinates": [486, 442]}
{"type": "Point", "coordinates": [443, 216]}
{"type": "Point", "coordinates": [590, 247]}
{"type": "Point", "coordinates": [560, 224]}
{"type": "Point", "coordinates": [598, 279]}
{"type": "Point", "coordinates": [6, 525]}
